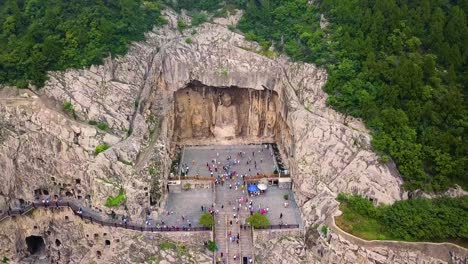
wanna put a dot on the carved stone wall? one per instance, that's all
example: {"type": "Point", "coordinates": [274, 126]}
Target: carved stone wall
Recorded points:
{"type": "Point", "coordinates": [205, 112]}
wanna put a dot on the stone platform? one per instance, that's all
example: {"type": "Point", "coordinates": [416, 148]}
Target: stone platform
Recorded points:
{"type": "Point", "coordinates": [196, 158]}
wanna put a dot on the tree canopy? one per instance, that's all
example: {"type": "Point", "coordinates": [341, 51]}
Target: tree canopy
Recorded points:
{"type": "Point", "coordinates": [39, 36]}
{"type": "Point", "coordinates": [411, 220]}
{"type": "Point", "coordinates": [206, 220]}
{"type": "Point", "coordinates": [258, 220]}
{"type": "Point", "coordinates": [401, 66]}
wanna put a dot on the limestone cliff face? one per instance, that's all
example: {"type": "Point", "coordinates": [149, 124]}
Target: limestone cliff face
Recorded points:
{"type": "Point", "coordinates": [68, 239]}
{"type": "Point", "coordinates": [44, 149]}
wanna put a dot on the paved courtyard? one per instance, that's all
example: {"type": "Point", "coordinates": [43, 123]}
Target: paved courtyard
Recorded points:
{"type": "Point", "coordinates": [255, 159]}
{"type": "Point", "coordinates": [272, 198]}
{"type": "Point", "coordinates": [187, 204]}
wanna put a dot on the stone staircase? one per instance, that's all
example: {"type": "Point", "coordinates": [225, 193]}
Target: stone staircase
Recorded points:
{"type": "Point", "coordinates": [234, 248]}
{"type": "Point", "coordinates": [228, 198]}
{"type": "Point", "coordinates": [246, 242]}
{"type": "Point", "coordinates": [221, 235]}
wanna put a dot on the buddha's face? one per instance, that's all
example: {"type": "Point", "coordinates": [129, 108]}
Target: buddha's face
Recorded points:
{"type": "Point", "coordinates": [226, 99]}
{"type": "Point", "coordinates": [271, 107]}
{"type": "Point", "coordinates": [180, 106]}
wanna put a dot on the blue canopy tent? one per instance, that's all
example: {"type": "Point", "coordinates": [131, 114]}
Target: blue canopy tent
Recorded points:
{"type": "Point", "coordinates": [253, 188]}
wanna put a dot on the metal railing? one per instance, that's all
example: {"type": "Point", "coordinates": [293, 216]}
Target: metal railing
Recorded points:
{"type": "Point", "coordinates": [95, 220]}
{"type": "Point", "coordinates": [247, 178]}
{"type": "Point", "coordinates": [283, 226]}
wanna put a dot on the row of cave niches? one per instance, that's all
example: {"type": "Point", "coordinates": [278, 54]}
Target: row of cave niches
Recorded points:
{"type": "Point", "coordinates": [65, 189]}
{"type": "Point", "coordinates": [36, 244]}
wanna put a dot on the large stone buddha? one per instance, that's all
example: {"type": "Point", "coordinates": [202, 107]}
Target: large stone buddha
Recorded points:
{"type": "Point", "coordinates": [225, 119]}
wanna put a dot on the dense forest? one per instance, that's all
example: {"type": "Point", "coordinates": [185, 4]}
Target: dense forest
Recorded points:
{"type": "Point", "coordinates": [401, 66]}
{"type": "Point", "coordinates": [38, 36]}
{"type": "Point", "coordinates": [411, 220]}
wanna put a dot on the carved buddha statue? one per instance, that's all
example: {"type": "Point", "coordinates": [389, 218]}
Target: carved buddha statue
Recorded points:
{"type": "Point", "coordinates": [225, 119]}
{"type": "Point", "coordinates": [254, 120]}
{"type": "Point", "coordinates": [181, 121]}
{"type": "Point", "coordinates": [199, 127]}
{"type": "Point", "coordinates": [270, 119]}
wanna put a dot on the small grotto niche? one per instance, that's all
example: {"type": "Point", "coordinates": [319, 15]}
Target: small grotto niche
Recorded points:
{"type": "Point", "coordinates": [35, 244]}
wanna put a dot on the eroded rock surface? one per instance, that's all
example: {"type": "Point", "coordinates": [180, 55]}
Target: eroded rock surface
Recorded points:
{"type": "Point", "coordinates": [68, 239]}
{"type": "Point", "coordinates": [44, 148]}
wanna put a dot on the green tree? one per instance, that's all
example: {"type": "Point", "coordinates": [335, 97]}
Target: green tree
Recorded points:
{"type": "Point", "coordinates": [206, 220]}
{"type": "Point", "coordinates": [258, 220]}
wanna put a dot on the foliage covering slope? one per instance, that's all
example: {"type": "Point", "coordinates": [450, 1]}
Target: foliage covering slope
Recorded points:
{"type": "Point", "coordinates": [411, 220]}
{"type": "Point", "coordinates": [399, 65]}
{"type": "Point", "coordinates": [38, 36]}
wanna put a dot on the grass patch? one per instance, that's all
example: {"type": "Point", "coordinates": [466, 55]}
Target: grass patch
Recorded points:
{"type": "Point", "coordinates": [359, 225]}
{"type": "Point", "coordinates": [101, 148]}
{"type": "Point", "coordinates": [181, 249]}
{"type": "Point", "coordinates": [114, 201]}
{"type": "Point", "coordinates": [188, 40]}
{"type": "Point", "coordinates": [166, 245]}
{"type": "Point", "coordinates": [69, 109]}
{"type": "Point", "coordinates": [102, 126]}
{"type": "Point", "coordinates": [126, 162]}
{"type": "Point", "coordinates": [181, 25]}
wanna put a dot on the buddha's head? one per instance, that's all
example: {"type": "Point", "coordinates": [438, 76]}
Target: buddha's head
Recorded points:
{"type": "Point", "coordinates": [180, 106]}
{"type": "Point", "coordinates": [226, 99]}
{"type": "Point", "coordinates": [271, 107]}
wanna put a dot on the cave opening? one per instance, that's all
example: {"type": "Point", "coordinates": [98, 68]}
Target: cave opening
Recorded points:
{"type": "Point", "coordinates": [208, 116]}
{"type": "Point", "coordinates": [204, 113]}
{"type": "Point", "coordinates": [35, 244]}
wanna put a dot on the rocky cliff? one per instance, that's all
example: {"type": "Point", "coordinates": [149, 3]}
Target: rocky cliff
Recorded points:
{"type": "Point", "coordinates": [44, 149]}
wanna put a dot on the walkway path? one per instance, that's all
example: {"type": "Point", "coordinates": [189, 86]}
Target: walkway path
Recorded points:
{"type": "Point", "coordinates": [93, 216]}
{"type": "Point", "coordinates": [228, 226]}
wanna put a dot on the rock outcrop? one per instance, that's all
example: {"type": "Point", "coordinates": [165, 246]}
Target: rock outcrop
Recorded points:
{"type": "Point", "coordinates": [68, 239]}
{"type": "Point", "coordinates": [43, 148]}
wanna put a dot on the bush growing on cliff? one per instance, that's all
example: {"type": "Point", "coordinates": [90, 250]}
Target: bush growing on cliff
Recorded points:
{"type": "Point", "coordinates": [211, 246]}
{"type": "Point", "coordinates": [102, 126]}
{"type": "Point", "coordinates": [114, 201]}
{"type": "Point", "coordinates": [101, 148]}
{"type": "Point", "coordinates": [410, 220]}
{"type": "Point", "coordinates": [69, 109]}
